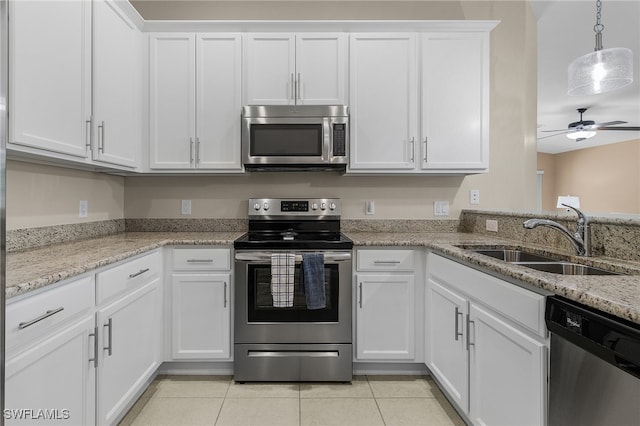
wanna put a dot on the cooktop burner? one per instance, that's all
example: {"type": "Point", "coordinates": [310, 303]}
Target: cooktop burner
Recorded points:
{"type": "Point", "coordinates": [294, 223]}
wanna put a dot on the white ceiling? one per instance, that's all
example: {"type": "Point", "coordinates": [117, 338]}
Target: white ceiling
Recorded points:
{"type": "Point", "coordinates": [565, 32]}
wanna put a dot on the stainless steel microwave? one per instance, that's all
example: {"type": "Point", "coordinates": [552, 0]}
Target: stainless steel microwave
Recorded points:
{"type": "Point", "coordinates": [304, 137]}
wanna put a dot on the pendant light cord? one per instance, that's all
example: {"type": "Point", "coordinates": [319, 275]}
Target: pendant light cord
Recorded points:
{"type": "Point", "coordinates": [598, 27]}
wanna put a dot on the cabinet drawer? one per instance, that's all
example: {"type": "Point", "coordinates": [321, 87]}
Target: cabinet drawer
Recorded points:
{"type": "Point", "coordinates": [385, 260]}
{"type": "Point", "coordinates": [30, 318]}
{"type": "Point", "coordinates": [127, 276]}
{"type": "Point", "coordinates": [201, 259]}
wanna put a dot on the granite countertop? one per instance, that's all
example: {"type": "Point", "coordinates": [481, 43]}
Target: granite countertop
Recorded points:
{"type": "Point", "coordinates": [619, 295]}
{"type": "Point", "coordinates": [615, 294]}
{"type": "Point", "coordinates": [35, 268]}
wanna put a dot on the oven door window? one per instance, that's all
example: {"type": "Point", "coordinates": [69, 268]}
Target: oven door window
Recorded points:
{"type": "Point", "coordinates": [260, 303]}
{"type": "Point", "coordinates": [286, 140]}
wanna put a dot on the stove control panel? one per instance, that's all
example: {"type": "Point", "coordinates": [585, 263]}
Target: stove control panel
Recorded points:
{"type": "Point", "coordinates": [310, 207]}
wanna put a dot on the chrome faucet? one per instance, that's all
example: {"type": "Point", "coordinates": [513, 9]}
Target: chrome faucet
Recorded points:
{"type": "Point", "coordinates": [579, 239]}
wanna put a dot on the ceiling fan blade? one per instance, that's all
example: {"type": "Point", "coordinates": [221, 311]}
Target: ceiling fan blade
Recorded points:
{"type": "Point", "coordinates": [557, 130]}
{"type": "Point", "coordinates": [608, 123]}
{"type": "Point", "coordinates": [550, 136]}
{"type": "Point", "coordinates": [631, 128]}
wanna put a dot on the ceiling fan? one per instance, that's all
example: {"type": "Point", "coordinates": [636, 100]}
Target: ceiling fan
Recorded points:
{"type": "Point", "coordinates": [584, 129]}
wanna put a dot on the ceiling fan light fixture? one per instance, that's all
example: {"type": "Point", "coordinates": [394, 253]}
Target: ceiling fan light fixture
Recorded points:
{"type": "Point", "coordinates": [602, 70]}
{"type": "Point", "coordinates": [579, 135]}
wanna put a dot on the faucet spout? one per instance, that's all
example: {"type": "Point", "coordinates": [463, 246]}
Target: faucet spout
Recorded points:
{"type": "Point", "coordinates": [579, 239]}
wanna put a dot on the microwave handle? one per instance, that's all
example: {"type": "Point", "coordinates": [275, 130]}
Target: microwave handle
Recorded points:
{"type": "Point", "coordinates": [328, 136]}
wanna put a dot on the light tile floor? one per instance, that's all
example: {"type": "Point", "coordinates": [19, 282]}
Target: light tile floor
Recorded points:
{"type": "Point", "coordinates": [368, 400]}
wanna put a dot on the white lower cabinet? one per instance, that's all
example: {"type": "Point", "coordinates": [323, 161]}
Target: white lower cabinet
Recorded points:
{"type": "Point", "coordinates": [129, 349]}
{"type": "Point", "coordinates": [386, 311]}
{"type": "Point", "coordinates": [489, 359]}
{"type": "Point", "coordinates": [201, 304]}
{"type": "Point", "coordinates": [54, 381]}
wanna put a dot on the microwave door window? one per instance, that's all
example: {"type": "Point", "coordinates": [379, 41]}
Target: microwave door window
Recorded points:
{"type": "Point", "coordinates": [286, 140]}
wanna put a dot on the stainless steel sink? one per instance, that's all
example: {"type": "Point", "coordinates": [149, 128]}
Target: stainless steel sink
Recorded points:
{"type": "Point", "coordinates": [565, 268]}
{"type": "Point", "coordinates": [509, 255]}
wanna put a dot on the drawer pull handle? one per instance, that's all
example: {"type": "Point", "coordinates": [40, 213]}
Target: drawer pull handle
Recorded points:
{"type": "Point", "coordinates": [469, 323]}
{"type": "Point", "coordinates": [377, 262]}
{"type": "Point", "coordinates": [140, 272]}
{"type": "Point", "coordinates": [95, 347]}
{"type": "Point", "coordinates": [360, 288]}
{"type": "Point", "coordinates": [109, 347]}
{"type": "Point", "coordinates": [458, 315]}
{"type": "Point", "coordinates": [199, 260]}
{"type": "Point", "coordinates": [225, 294]}
{"type": "Point", "coordinates": [47, 314]}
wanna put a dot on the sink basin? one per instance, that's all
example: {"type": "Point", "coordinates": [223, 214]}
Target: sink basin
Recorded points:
{"type": "Point", "coordinates": [514, 255]}
{"type": "Point", "coordinates": [565, 268]}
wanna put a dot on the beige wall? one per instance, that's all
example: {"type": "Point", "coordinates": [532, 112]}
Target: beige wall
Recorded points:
{"type": "Point", "coordinates": [43, 195]}
{"type": "Point", "coordinates": [606, 178]}
{"type": "Point", "coordinates": [509, 185]}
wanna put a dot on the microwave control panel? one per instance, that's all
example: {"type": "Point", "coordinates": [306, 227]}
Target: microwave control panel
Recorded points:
{"type": "Point", "coordinates": [339, 140]}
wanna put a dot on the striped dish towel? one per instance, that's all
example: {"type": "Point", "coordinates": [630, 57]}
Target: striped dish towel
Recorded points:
{"type": "Point", "coordinates": [282, 276]}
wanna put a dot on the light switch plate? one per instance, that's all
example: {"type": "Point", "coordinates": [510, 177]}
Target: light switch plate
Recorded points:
{"type": "Point", "coordinates": [84, 208]}
{"type": "Point", "coordinates": [186, 207]}
{"type": "Point", "coordinates": [491, 225]}
{"type": "Point", "coordinates": [369, 207]}
{"type": "Point", "coordinates": [441, 208]}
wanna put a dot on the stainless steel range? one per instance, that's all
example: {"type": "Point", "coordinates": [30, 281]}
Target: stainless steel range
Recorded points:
{"type": "Point", "coordinates": [293, 293]}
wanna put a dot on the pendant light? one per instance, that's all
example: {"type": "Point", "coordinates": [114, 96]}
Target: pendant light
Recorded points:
{"type": "Point", "coordinates": [603, 70]}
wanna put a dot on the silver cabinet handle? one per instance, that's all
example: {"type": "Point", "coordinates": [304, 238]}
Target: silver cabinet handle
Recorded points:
{"type": "Point", "coordinates": [140, 272]}
{"type": "Point", "coordinates": [458, 315]}
{"type": "Point", "coordinates": [225, 294]}
{"type": "Point", "coordinates": [469, 322]}
{"type": "Point", "coordinates": [199, 260]}
{"type": "Point", "coordinates": [95, 347]}
{"type": "Point", "coordinates": [425, 149]}
{"type": "Point", "coordinates": [379, 262]}
{"type": "Point", "coordinates": [101, 137]}
{"type": "Point", "coordinates": [360, 295]}
{"type": "Point", "coordinates": [47, 314]}
{"type": "Point", "coordinates": [298, 87]}
{"type": "Point", "coordinates": [293, 88]}
{"type": "Point", "coordinates": [88, 135]}
{"type": "Point", "coordinates": [191, 150]}
{"type": "Point", "coordinates": [109, 347]}
{"type": "Point", "coordinates": [197, 150]}
{"type": "Point", "coordinates": [413, 148]}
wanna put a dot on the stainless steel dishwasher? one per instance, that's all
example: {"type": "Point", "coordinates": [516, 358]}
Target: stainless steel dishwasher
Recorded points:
{"type": "Point", "coordinates": [595, 366]}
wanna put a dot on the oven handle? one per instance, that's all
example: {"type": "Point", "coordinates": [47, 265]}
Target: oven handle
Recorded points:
{"type": "Point", "coordinates": [286, 354]}
{"type": "Point", "coordinates": [264, 256]}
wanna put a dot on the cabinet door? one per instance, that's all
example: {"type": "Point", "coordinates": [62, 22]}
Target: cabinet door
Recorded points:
{"type": "Point", "coordinates": [117, 86]}
{"type": "Point", "coordinates": [201, 316]}
{"type": "Point", "coordinates": [385, 318]}
{"type": "Point", "coordinates": [172, 101]}
{"type": "Point", "coordinates": [50, 67]}
{"type": "Point", "coordinates": [383, 100]}
{"type": "Point", "coordinates": [269, 73]}
{"type": "Point", "coordinates": [57, 376]}
{"type": "Point", "coordinates": [219, 101]}
{"type": "Point", "coordinates": [129, 349]}
{"type": "Point", "coordinates": [447, 355]}
{"type": "Point", "coordinates": [507, 372]}
{"type": "Point", "coordinates": [321, 69]}
{"type": "Point", "coordinates": [455, 102]}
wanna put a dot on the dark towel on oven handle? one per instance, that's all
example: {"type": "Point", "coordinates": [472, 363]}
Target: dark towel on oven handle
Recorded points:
{"type": "Point", "coordinates": [313, 276]}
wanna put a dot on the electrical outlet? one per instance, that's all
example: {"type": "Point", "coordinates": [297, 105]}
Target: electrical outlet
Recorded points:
{"type": "Point", "coordinates": [441, 208]}
{"type": "Point", "coordinates": [186, 207]}
{"type": "Point", "coordinates": [84, 208]}
{"type": "Point", "coordinates": [369, 207]}
{"type": "Point", "coordinates": [474, 196]}
{"type": "Point", "coordinates": [491, 225]}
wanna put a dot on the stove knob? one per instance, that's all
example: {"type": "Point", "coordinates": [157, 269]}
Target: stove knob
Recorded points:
{"type": "Point", "coordinates": [265, 206]}
{"type": "Point", "coordinates": [332, 206]}
{"type": "Point", "coordinates": [314, 206]}
{"type": "Point", "coordinates": [323, 206]}
{"type": "Point", "coordinates": [256, 206]}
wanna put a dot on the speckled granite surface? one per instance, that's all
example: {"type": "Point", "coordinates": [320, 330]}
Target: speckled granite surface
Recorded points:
{"type": "Point", "coordinates": [616, 294]}
{"type": "Point", "coordinates": [186, 225]}
{"type": "Point", "coordinates": [28, 270]}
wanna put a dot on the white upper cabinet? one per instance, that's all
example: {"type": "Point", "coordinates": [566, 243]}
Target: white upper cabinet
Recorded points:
{"type": "Point", "coordinates": [117, 86]}
{"type": "Point", "coordinates": [190, 129]}
{"type": "Point", "coordinates": [295, 69]}
{"type": "Point", "coordinates": [455, 102]}
{"type": "Point", "coordinates": [50, 76]}
{"type": "Point", "coordinates": [383, 91]}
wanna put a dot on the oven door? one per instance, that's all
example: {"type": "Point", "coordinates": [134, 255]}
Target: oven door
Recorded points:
{"type": "Point", "coordinates": [257, 321]}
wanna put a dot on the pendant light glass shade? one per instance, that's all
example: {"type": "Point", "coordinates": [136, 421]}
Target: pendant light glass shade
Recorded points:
{"type": "Point", "coordinates": [601, 71]}
{"type": "Point", "coordinates": [581, 134]}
